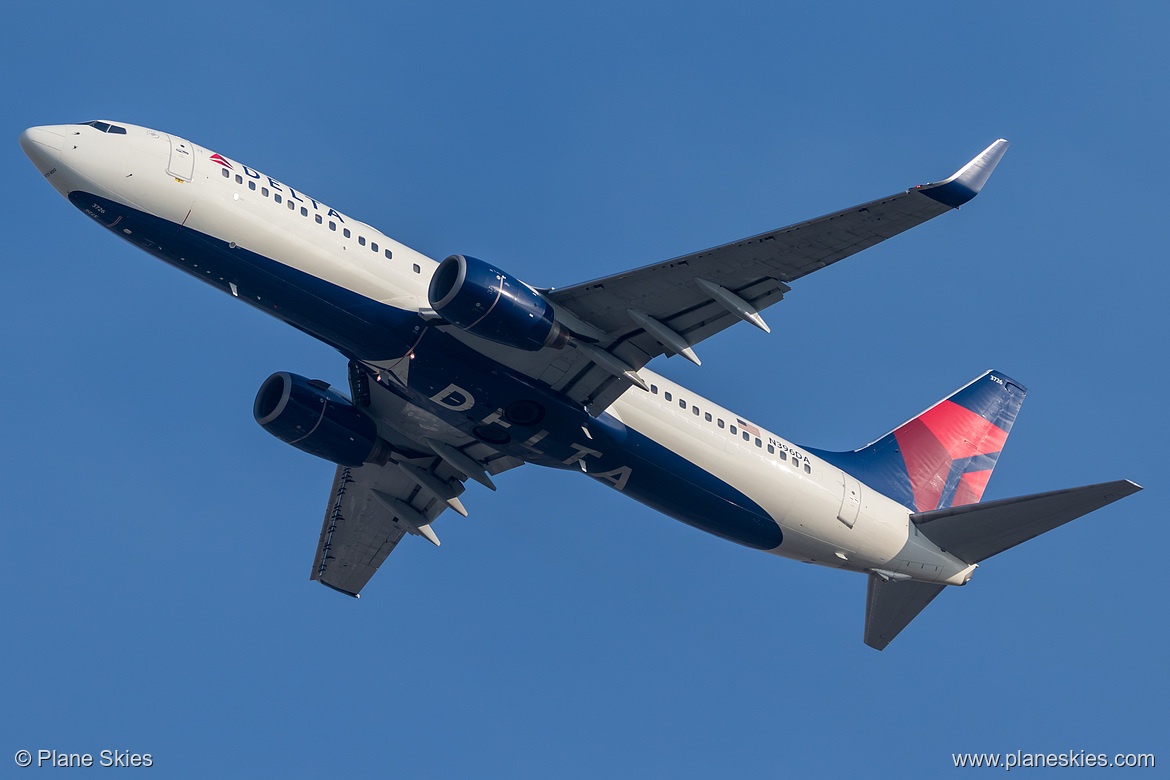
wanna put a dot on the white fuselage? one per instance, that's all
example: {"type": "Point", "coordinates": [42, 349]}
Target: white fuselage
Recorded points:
{"type": "Point", "coordinates": [826, 516]}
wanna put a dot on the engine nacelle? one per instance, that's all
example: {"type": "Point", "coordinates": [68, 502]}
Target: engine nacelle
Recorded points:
{"type": "Point", "coordinates": [486, 302]}
{"type": "Point", "coordinates": [308, 415]}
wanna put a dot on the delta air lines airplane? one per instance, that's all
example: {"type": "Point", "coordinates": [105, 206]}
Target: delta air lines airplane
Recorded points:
{"type": "Point", "coordinates": [459, 371]}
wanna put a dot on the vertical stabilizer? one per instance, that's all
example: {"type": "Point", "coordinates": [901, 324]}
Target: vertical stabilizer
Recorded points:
{"type": "Point", "coordinates": [944, 456]}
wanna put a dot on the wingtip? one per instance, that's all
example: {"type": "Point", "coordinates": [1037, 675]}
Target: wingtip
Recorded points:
{"type": "Point", "coordinates": [351, 594]}
{"type": "Point", "coordinates": [968, 181]}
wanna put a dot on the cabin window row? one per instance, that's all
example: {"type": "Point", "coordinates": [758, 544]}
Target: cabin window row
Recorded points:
{"type": "Point", "coordinates": [292, 206]}
{"type": "Point", "coordinates": [732, 429]}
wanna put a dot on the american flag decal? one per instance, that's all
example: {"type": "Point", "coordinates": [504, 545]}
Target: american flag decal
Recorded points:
{"type": "Point", "coordinates": [747, 426]}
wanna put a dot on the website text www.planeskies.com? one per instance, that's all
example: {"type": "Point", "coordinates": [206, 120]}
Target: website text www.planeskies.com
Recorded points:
{"type": "Point", "coordinates": [1069, 758]}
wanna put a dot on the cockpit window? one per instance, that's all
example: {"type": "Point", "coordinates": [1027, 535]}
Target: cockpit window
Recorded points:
{"type": "Point", "coordinates": [106, 127]}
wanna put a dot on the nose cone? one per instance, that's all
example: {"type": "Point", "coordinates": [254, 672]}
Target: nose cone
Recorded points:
{"type": "Point", "coordinates": [43, 146]}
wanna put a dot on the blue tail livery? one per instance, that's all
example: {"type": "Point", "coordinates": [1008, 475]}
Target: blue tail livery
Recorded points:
{"type": "Point", "coordinates": [944, 456]}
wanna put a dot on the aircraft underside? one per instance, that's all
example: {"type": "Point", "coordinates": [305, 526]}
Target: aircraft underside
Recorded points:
{"type": "Point", "coordinates": [449, 385]}
{"type": "Point", "coordinates": [459, 371]}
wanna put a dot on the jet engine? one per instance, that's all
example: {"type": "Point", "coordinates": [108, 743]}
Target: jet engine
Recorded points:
{"type": "Point", "coordinates": [311, 417]}
{"type": "Point", "coordinates": [481, 299]}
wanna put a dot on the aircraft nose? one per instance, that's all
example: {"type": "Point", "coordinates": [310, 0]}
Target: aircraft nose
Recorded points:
{"type": "Point", "coordinates": [43, 146]}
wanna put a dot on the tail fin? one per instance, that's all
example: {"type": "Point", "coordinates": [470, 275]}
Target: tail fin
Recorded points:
{"type": "Point", "coordinates": [944, 456]}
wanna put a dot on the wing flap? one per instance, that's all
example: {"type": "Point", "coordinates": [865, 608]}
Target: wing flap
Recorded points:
{"type": "Point", "coordinates": [664, 290]}
{"type": "Point", "coordinates": [677, 293]}
{"type": "Point", "coordinates": [361, 527]}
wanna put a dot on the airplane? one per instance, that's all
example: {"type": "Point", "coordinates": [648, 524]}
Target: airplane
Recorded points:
{"type": "Point", "coordinates": [459, 371]}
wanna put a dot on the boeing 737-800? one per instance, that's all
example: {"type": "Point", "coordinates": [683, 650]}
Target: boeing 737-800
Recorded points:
{"type": "Point", "coordinates": [458, 371]}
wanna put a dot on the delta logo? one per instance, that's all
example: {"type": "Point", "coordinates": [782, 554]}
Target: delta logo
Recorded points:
{"type": "Point", "coordinates": [217, 158]}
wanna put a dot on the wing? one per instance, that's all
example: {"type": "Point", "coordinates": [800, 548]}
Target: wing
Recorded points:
{"type": "Point", "coordinates": [668, 307]}
{"type": "Point", "coordinates": [370, 509]}
{"type": "Point", "coordinates": [373, 507]}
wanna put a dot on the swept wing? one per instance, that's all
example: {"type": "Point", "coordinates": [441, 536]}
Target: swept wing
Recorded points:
{"type": "Point", "coordinates": [667, 308]}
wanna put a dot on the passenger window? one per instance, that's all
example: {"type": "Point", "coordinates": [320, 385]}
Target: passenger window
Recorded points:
{"type": "Point", "coordinates": [317, 219]}
{"type": "Point", "coordinates": [389, 254]}
{"type": "Point", "coordinates": [277, 198]}
{"type": "Point", "coordinates": [332, 225]}
{"type": "Point", "coordinates": [682, 404]}
{"type": "Point", "coordinates": [783, 455]}
{"type": "Point", "coordinates": [707, 417]}
{"type": "Point", "coordinates": [292, 206]}
{"type": "Point", "coordinates": [807, 469]}
{"type": "Point", "coordinates": [654, 389]}
{"type": "Point", "coordinates": [239, 178]}
{"type": "Point", "coordinates": [746, 436]}
{"type": "Point", "coordinates": [417, 270]}
{"type": "Point", "coordinates": [771, 450]}
{"type": "Point", "coordinates": [362, 240]}
{"type": "Point", "coordinates": [373, 247]}
{"type": "Point", "coordinates": [225, 173]}
{"type": "Point", "coordinates": [695, 409]}
{"type": "Point", "coordinates": [668, 396]}
{"type": "Point", "coordinates": [720, 423]}
{"type": "Point", "coordinates": [304, 211]}
{"type": "Point", "coordinates": [251, 185]}
{"type": "Point", "coordinates": [264, 191]}
{"type": "Point", "coordinates": [733, 431]}
{"type": "Point", "coordinates": [345, 232]}
{"type": "Point", "coordinates": [759, 443]}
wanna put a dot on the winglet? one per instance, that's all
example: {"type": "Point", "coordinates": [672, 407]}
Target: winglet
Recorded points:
{"type": "Point", "coordinates": [969, 179]}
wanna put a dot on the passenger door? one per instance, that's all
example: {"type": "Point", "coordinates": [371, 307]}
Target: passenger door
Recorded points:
{"type": "Point", "coordinates": [182, 161]}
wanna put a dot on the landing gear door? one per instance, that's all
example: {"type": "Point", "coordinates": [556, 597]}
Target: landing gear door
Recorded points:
{"type": "Point", "coordinates": [850, 500]}
{"type": "Point", "coordinates": [182, 161]}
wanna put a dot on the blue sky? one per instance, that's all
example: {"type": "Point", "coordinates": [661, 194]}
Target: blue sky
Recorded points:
{"type": "Point", "coordinates": [158, 542]}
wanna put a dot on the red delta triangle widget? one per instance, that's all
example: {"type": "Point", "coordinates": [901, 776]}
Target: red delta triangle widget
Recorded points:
{"type": "Point", "coordinates": [935, 441]}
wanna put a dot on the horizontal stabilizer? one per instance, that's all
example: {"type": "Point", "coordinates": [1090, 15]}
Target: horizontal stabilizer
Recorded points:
{"type": "Point", "coordinates": [976, 532]}
{"type": "Point", "coordinates": [891, 605]}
